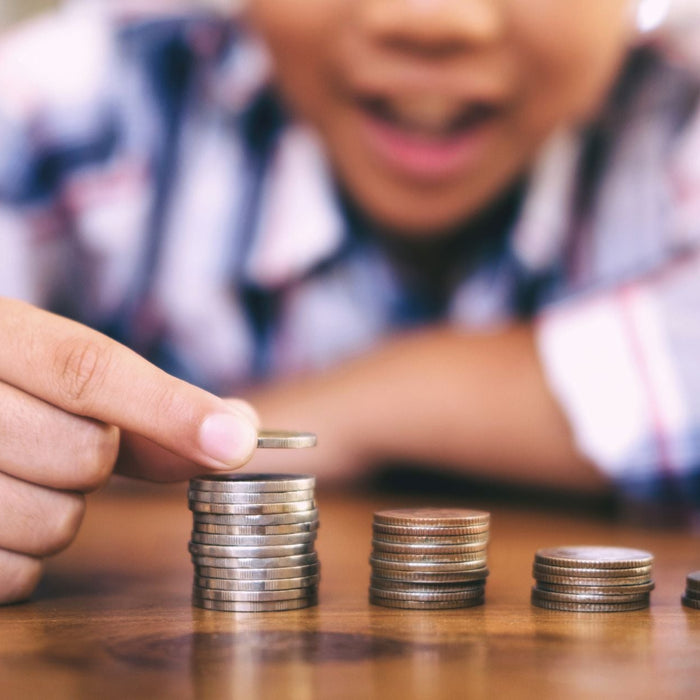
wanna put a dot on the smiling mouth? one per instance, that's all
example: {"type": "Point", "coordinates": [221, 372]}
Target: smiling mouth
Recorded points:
{"type": "Point", "coordinates": [431, 119]}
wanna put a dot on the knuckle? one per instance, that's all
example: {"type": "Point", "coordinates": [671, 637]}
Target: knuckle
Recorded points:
{"type": "Point", "coordinates": [65, 524]}
{"type": "Point", "coordinates": [81, 366]}
{"type": "Point", "coordinates": [19, 577]}
{"type": "Point", "coordinates": [98, 454]}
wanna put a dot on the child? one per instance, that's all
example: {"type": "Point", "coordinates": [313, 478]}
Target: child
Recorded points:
{"type": "Point", "coordinates": [452, 231]}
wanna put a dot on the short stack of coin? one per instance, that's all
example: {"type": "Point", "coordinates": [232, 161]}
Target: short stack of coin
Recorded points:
{"type": "Point", "coordinates": [592, 579]}
{"type": "Point", "coordinates": [691, 599]}
{"type": "Point", "coordinates": [252, 542]}
{"type": "Point", "coordinates": [429, 558]}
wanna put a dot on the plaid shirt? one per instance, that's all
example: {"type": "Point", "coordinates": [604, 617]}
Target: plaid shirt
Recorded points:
{"type": "Point", "coordinates": [152, 187]}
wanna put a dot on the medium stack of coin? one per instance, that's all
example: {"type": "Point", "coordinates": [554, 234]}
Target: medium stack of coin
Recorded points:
{"type": "Point", "coordinates": [691, 599]}
{"type": "Point", "coordinates": [592, 579]}
{"type": "Point", "coordinates": [429, 558]}
{"type": "Point", "coordinates": [252, 542]}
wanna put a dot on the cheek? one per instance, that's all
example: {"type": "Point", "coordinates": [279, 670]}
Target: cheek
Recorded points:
{"type": "Point", "coordinates": [569, 54]}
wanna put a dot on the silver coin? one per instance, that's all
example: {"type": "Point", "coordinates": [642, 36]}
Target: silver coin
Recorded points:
{"type": "Point", "coordinates": [475, 558]}
{"type": "Point", "coordinates": [430, 530]}
{"type": "Point", "coordinates": [253, 540]}
{"type": "Point", "coordinates": [590, 581]}
{"type": "Point", "coordinates": [270, 584]}
{"type": "Point", "coordinates": [280, 550]}
{"type": "Point", "coordinates": [256, 520]}
{"type": "Point", "coordinates": [590, 607]}
{"type": "Point", "coordinates": [384, 584]}
{"type": "Point", "coordinates": [594, 557]}
{"type": "Point", "coordinates": [253, 483]}
{"type": "Point", "coordinates": [254, 596]}
{"type": "Point", "coordinates": [476, 575]}
{"type": "Point", "coordinates": [259, 530]}
{"type": "Point", "coordinates": [596, 590]}
{"type": "Point", "coordinates": [250, 498]}
{"type": "Point", "coordinates": [582, 572]}
{"type": "Point", "coordinates": [415, 540]}
{"type": "Point", "coordinates": [692, 581]}
{"type": "Point", "coordinates": [426, 605]}
{"type": "Point", "coordinates": [465, 594]}
{"type": "Point", "coordinates": [245, 606]}
{"type": "Point", "coordinates": [427, 549]}
{"type": "Point", "coordinates": [445, 517]}
{"type": "Point", "coordinates": [428, 566]}
{"type": "Point", "coordinates": [587, 598]}
{"type": "Point", "coordinates": [285, 439]}
{"type": "Point", "coordinates": [255, 562]}
{"type": "Point", "coordinates": [690, 602]}
{"type": "Point", "coordinates": [271, 573]}
{"type": "Point", "coordinates": [251, 509]}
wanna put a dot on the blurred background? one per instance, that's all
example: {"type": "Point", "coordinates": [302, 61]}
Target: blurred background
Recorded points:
{"type": "Point", "coordinates": [13, 10]}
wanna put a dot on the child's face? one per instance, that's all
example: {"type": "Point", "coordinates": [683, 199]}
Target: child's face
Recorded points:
{"type": "Point", "coordinates": [430, 108]}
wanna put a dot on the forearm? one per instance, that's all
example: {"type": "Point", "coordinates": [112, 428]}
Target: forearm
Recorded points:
{"type": "Point", "coordinates": [474, 403]}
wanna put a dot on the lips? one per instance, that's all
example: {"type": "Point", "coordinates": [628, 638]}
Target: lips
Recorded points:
{"type": "Point", "coordinates": [426, 137]}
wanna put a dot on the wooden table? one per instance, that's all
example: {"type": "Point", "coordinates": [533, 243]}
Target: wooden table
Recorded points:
{"type": "Point", "coordinates": [113, 619]}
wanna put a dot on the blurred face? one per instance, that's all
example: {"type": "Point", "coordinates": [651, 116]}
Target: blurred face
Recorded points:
{"type": "Point", "coordinates": [429, 109]}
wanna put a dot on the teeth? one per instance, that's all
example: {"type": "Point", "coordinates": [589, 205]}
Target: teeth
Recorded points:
{"type": "Point", "coordinates": [429, 113]}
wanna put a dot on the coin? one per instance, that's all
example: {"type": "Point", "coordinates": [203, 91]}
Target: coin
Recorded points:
{"type": "Point", "coordinates": [596, 590]}
{"type": "Point", "coordinates": [280, 550]}
{"type": "Point", "coordinates": [540, 569]}
{"type": "Point", "coordinates": [250, 498]}
{"type": "Point", "coordinates": [428, 549]}
{"type": "Point", "coordinates": [241, 574]}
{"type": "Point", "coordinates": [245, 606]}
{"type": "Point", "coordinates": [252, 596]}
{"type": "Point", "coordinates": [384, 584]}
{"type": "Point", "coordinates": [285, 439]}
{"type": "Point", "coordinates": [428, 566]}
{"type": "Point", "coordinates": [690, 602]}
{"type": "Point", "coordinates": [692, 581]}
{"type": "Point", "coordinates": [415, 540]}
{"type": "Point", "coordinates": [430, 530]}
{"type": "Point", "coordinates": [255, 520]}
{"type": "Point", "coordinates": [445, 517]}
{"type": "Point", "coordinates": [587, 598]}
{"type": "Point", "coordinates": [271, 584]}
{"type": "Point", "coordinates": [589, 607]}
{"type": "Point", "coordinates": [256, 562]}
{"type": "Point", "coordinates": [427, 577]}
{"type": "Point", "coordinates": [464, 594]}
{"type": "Point", "coordinates": [590, 581]}
{"type": "Point", "coordinates": [473, 558]}
{"type": "Point", "coordinates": [250, 508]}
{"type": "Point", "coordinates": [253, 483]}
{"type": "Point", "coordinates": [426, 605]}
{"type": "Point", "coordinates": [253, 540]}
{"type": "Point", "coordinates": [246, 530]}
{"type": "Point", "coordinates": [593, 557]}
{"type": "Point", "coordinates": [690, 593]}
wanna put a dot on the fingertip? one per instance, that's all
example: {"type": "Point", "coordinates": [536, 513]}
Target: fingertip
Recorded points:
{"type": "Point", "coordinates": [246, 409]}
{"type": "Point", "coordinates": [228, 439]}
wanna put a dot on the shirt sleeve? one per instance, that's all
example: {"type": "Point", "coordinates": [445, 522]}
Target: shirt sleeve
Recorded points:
{"type": "Point", "coordinates": [625, 366]}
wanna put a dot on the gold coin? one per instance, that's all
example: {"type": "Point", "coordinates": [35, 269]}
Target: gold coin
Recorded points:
{"type": "Point", "coordinates": [444, 517]}
{"type": "Point", "coordinates": [594, 557]}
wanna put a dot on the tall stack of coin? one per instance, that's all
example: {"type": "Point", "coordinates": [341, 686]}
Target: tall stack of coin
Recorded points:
{"type": "Point", "coordinates": [691, 599]}
{"type": "Point", "coordinates": [252, 542]}
{"type": "Point", "coordinates": [429, 558]}
{"type": "Point", "coordinates": [592, 579]}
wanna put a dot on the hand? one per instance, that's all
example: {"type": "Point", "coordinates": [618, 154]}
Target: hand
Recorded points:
{"type": "Point", "coordinates": [66, 393]}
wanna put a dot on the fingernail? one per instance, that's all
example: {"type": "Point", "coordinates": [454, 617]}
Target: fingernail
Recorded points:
{"type": "Point", "coordinates": [228, 438]}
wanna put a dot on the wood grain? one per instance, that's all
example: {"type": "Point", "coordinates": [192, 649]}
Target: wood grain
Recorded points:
{"type": "Point", "coordinates": [113, 619]}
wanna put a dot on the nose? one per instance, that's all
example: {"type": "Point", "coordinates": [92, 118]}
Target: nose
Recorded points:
{"type": "Point", "coordinates": [431, 26]}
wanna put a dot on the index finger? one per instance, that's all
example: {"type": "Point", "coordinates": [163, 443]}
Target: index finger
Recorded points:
{"type": "Point", "coordinates": [88, 374]}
